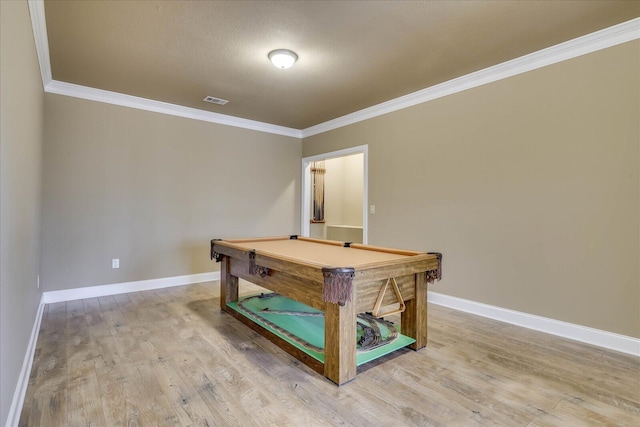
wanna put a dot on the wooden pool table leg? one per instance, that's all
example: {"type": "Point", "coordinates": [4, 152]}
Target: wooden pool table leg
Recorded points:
{"type": "Point", "coordinates": [228, 284]}
{"type": "Point", "coordinates": [340, 342]}
{"type": "Point", "coordinates": [413, 321]}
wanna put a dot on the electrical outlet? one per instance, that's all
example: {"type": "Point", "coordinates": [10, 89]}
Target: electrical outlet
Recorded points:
{"type": "Point", "coordinates": [372, 209]}
{"type": "Point", "coordinates": [115, 263]}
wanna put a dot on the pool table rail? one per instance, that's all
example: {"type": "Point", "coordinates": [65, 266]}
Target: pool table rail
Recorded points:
{"type": "Point", "coordinates": [415, 262]}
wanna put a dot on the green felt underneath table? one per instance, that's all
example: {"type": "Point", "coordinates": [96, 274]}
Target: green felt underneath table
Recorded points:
{"type": "Point", "coordinates": [305, 331]}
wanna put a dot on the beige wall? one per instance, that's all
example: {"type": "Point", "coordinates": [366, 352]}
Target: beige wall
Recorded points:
{"type": "Point", "coordinates": [21, 106]}
{"type": "Point", "coordinates": [152, 190]}
{"type": "Point", "coordinates": [353, 185]}
{"type": "Point", "coordinates": [529, 186]}
{"type": "Point", "coordinates": [343, 190]}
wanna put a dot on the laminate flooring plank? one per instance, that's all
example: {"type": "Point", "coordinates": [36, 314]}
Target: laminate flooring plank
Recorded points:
{"type": "Point", "coordinates": [113, 317]}
{"type": "Point", "coordinates": [156, 409]}
{"type": "Point", "coordinates": [93, 315]}
{"type": "Point", "coordinates": [413, 404]}
{"type": "Point", "coordinates": [341, 406]}
{"type": "Point", "coordinates": [597, 381]}
{"type": "Point", "coordinates": [112, 393]}
{"type": "Point", "coordinates": [570, 414]}
{"type": "Point", "coordinates": [234, 378]}
{"type": "Point", "coordinates": [25, 413]}
{"type": "Point", "coordinates": [185, 403]}
{"type": "Point", "coordinates": [129, 310]}
{"type": "Point", "coordinates": [219, 387]}
{"type": "Point", "coordinates": [530, 345]}
{"type": "Point", "coordinates": [75, 308]}
{"type": "Point", "coordinates": [126, 335]}
{"type": "Point", "coordinates": [185, 400]}
{"type": "Point", "coordinates": [145, 306]}
{"type": "Point", "coordinates": [46, 409]}
{"type": "Point", "coordinates": [182, 395]}
{"type": "Point", "coordinates": [84, 405]}
{"type": "Point", "coordinates": [178, 303]}
{"type": "Point", "coordinates": [80, 348]}
{"type": "Point", "coordinates": [596, 412]}
{"type": "Point", "coordinates": [301, 384]}
{"type": "Point", "coordinates": [507, 401]}
{"type": "Point", "coordinates": [261, 368]}
{"type": "Point", "coordinates": [47, 384]}
{"type": "Point", "coordinates": [52, 360]}
{"type": "Point", "coordinates": [124, 303]}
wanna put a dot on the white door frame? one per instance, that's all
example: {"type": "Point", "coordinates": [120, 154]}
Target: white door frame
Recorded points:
{"type": "Point", "coordinates": [306, 186]}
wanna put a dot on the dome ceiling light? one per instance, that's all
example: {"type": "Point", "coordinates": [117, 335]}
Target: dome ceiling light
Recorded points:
{"type": "Point", "coordinates": [283, 58]}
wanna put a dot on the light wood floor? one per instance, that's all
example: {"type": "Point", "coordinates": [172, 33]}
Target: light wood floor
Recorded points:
{"type": "Point", "coordinates": [171, 357]}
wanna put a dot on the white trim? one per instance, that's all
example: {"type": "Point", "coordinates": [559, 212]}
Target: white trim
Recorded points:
{"type": "Point", "coordinates": [305, 211]}
{"type": "Point", "coordinates": [39, 27]}
{"type": "Point", "coordinates": [365, 195]}
{"type": "Point", "coordinates": [610, 340]}
{"type": "Point", "coordinates": [589, 43]}
{"type": "Point", "coordinates": [23, 379]}
{"type": "Point", "coordinates": [123, 288]}
{"type": "Point", "coordinates": [84, 92]}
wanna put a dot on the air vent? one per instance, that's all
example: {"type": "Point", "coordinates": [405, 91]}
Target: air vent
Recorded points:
{"type": "Point", "coordinates": [214, 100]}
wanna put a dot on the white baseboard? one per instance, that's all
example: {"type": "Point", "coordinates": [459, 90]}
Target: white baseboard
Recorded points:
{"type": "Point", "coordinates": [123, 288]}
{"type": "Point", "coordinates": [23, 379]}
{"type": "Point", "coordinates": [610, 340]}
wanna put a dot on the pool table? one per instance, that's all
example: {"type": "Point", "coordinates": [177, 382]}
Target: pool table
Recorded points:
{"type": "Point", "coordinates": [341, 279]}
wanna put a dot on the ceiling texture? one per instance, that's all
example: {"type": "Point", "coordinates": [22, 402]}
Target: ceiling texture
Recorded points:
{"type": "Point", "coordinates": [352, 54]}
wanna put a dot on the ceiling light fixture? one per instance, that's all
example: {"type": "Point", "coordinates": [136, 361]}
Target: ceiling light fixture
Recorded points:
{"type": "Point", "coordinates": [283, 58]}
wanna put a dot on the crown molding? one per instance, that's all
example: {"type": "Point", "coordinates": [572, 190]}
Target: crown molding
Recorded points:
{"type": "Point", "coordinates": [608, 37]}
{"type": "Point", "coordinates": [92, 94]}
{"type": "Point", "coordinates": [39, 26]}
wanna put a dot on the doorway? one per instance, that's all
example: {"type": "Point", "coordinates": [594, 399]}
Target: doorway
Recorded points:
{"type": "Point", "coordinates": [344, 212]}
